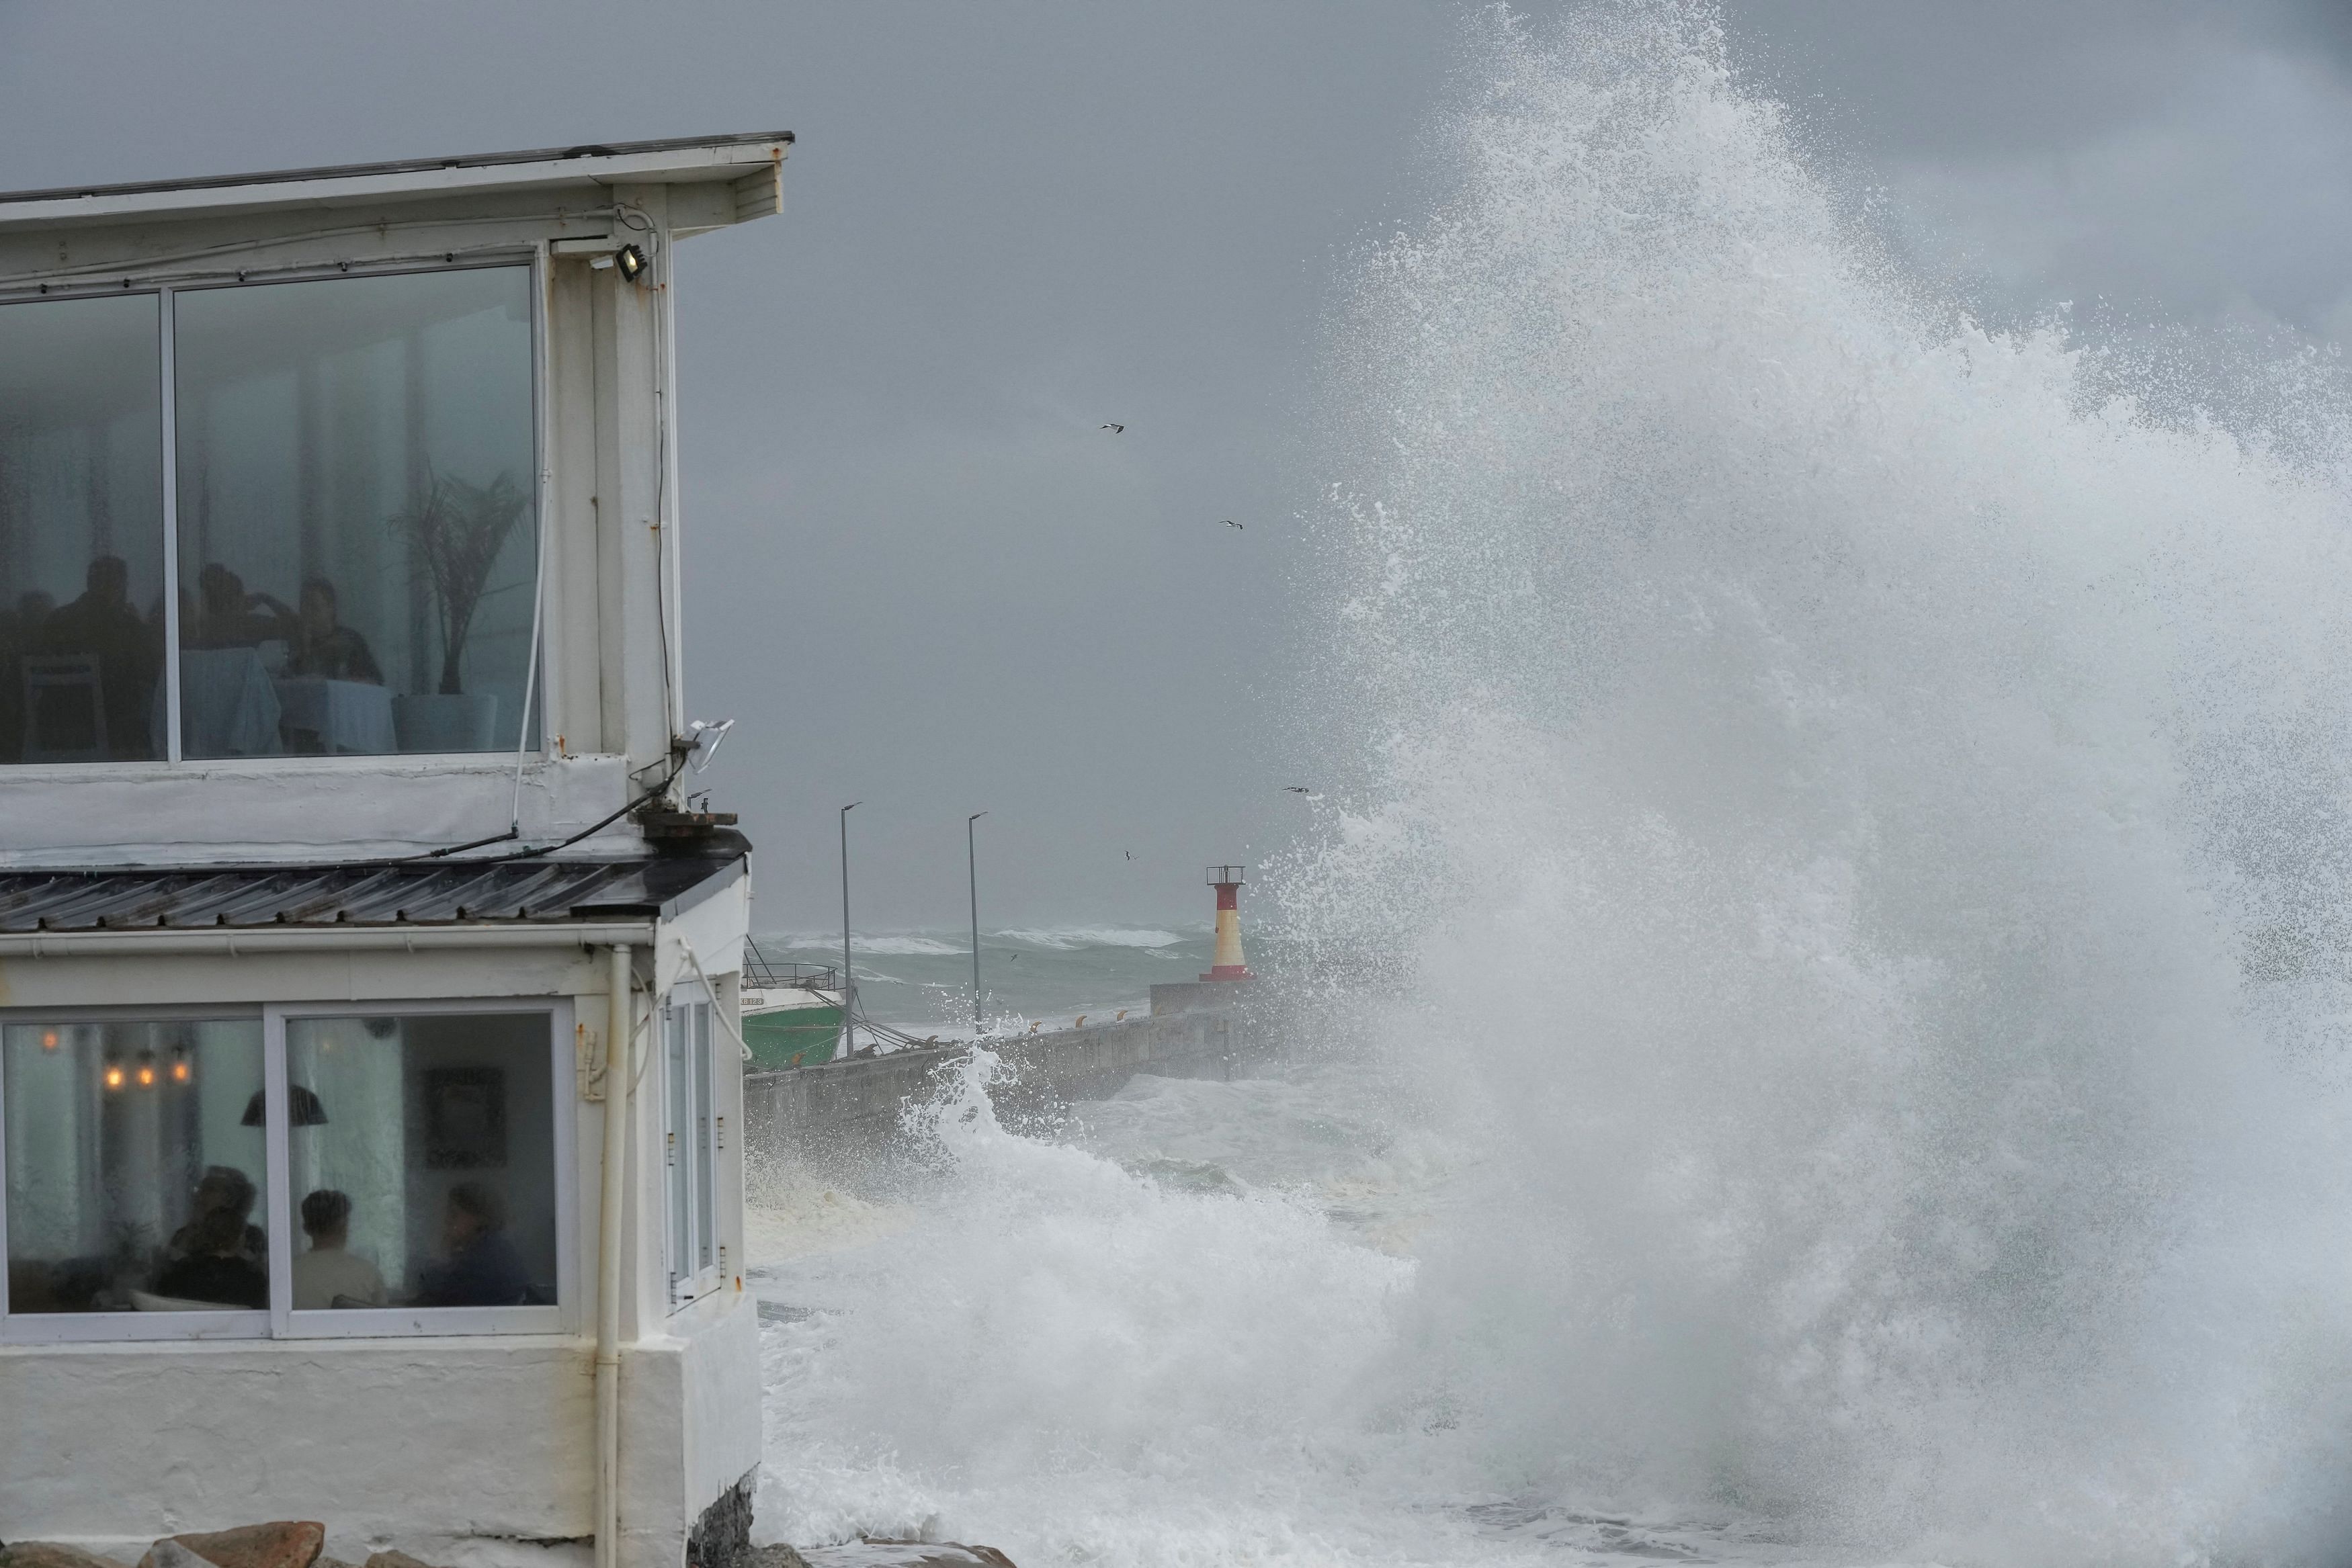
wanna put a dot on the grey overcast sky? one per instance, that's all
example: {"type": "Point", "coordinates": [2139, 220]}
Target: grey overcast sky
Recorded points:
{"type": "Point", "coordinates": [917, 571]}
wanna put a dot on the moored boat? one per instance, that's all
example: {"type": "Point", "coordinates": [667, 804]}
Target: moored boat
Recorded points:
{"type": "Point", "coordinates": [792, 1012]}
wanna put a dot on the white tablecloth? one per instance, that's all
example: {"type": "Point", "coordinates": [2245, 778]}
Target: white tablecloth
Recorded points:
{"type": "Point", "coordinates": [227, 706]}
{"type": "Point", "coordinates": [351, 716]}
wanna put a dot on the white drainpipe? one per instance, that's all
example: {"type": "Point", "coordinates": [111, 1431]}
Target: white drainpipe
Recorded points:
{"type": "Point", "coordinates": [620, 1073]}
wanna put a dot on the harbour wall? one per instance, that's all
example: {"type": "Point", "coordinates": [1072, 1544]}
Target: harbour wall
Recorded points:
{"type": "Point", "coordinates": [845, 1108]}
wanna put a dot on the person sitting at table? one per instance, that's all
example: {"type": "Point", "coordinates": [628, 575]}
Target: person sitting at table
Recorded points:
{"type": "Point", "coordinates": [323, 645]}
{"type": "Point", "coordinates": [102, 625]}
{"type": "Point", "coordinates": [222, 1189]}
{"type": "Point", "coordinates": [217, 1270]}
{"type": "Point", "coordinates": [483, 1269]}
{"type": "Point", "coordinates": [329, 1275]}
{"type": "Point", "coordinates": [229, 617]}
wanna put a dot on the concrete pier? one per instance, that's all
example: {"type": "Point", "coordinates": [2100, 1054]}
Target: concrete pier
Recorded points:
{"type": "Point", "coordinates": [848, 1108]}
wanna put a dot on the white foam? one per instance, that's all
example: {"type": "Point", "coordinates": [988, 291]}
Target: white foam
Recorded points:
{"type": "Point", "coordinates": [907, 945]}
{"type": "Point", "coordinates": [1071, 938]}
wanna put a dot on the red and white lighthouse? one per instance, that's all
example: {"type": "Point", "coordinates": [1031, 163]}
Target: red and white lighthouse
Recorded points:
{"type": "Point", "coordinates": [1228, 964]}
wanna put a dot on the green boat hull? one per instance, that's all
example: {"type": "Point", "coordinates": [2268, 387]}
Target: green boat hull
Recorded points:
{"type": "Point", "coordinates": [792, 1037]}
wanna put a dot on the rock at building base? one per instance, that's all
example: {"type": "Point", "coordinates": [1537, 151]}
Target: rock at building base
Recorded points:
{"type": "Point", "coordinates": [904, 1554]}
{"type": "Point", "coordinates": [393, 1560]}
{"type": "Point", "coordinates": [283, 1544]}
{"type": "Point", "coordinates": [49, 1554]}
{"type": "Point", "coordinates": [168, 1554]}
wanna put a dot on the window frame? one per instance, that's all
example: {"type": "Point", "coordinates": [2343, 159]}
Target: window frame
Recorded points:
{"type": "Point", "coordinates": [281, 1321]}
{"type": "Point", "coordinates": [167, 289]}
{"type": "Point", "coordinates": [687, 1281]}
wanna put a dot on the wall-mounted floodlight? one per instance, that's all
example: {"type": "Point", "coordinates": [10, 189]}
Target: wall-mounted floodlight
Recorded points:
{"type": "Point", "coordinates": [703, 738]}
{"type": "Point", "coordinates": [628, 259]}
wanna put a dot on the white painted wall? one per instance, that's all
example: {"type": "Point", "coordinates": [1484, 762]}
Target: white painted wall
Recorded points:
{"type": "Point", "coordinates": [428, 1443]}
{"type": "Point", "coordinates": [296, 809]}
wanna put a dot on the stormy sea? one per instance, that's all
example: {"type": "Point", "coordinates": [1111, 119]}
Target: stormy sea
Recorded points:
{"type": "Point", "coordinates": [1814, 1009]}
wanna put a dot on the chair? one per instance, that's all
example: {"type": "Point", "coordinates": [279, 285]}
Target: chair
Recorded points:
{"type": "Point", "coordinates": [64, 708]}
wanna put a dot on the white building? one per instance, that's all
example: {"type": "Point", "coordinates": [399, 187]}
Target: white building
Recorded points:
{"type": "Point", "coordinates": [341, 729]}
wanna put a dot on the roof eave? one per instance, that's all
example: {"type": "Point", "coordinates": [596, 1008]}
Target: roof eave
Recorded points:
{"type": "Point", "coordinates": [584, 169]}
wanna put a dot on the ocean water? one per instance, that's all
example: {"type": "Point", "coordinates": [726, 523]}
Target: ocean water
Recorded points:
{"type": "Point", "coordinates": [1817, 995]}
{"type": "Point", "coordinates": [920, 981]}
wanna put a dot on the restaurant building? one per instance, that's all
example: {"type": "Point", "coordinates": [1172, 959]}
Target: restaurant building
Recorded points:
{"type": "Point", "coordinates": [368, 1078]}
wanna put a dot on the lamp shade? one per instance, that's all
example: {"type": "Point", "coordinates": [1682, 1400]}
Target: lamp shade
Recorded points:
{"type": "Point", "coordinates": [308, 1111]}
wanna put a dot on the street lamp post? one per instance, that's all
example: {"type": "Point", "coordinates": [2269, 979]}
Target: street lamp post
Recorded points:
{"type": "Point", "coordinates": [971, 864]}
{"type": "Point", "coordinates": [848, 979]}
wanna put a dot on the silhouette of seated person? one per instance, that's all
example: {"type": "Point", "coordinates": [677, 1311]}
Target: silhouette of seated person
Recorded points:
{"type": "Point", "coordinates": [323, 645]}
{"type": "Point", "coordinates": [102, 625]}
{"type": "Point", "coordinates": [216, 1269]}
{"type": "Point", "coordinates": [327, 1275]}
{"type": "Point", "coordinates": [483, 1269]}
{"type": "Point", "coordinates": [19, 632]}
{"type": "Point", "coordinates": [229, 617]}
{"type": "Point", "coordinates": [223, 1189]}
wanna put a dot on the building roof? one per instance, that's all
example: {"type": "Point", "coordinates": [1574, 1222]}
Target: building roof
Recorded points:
{"type": "Point", "coordinates": [444, 893]}
{"type": "Point", "coordinates": [687, 159]}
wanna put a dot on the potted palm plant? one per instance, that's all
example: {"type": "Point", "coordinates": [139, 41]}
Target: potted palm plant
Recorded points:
{"type": "Point", "coordinates": [454, 536]}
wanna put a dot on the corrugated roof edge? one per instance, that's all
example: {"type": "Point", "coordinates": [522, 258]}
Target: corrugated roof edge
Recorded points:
{"type": "Point", "coordinates": [403, 166]}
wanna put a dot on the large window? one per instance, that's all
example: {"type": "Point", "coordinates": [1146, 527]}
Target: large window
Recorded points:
{"type": "Point", "coordinates": [295, 1173]}
{"type": "Point", "coordinates": [353, 511]}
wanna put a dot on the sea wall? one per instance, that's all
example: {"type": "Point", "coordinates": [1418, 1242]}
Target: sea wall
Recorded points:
{"type": "Point", "coordinates": [846, 1107]}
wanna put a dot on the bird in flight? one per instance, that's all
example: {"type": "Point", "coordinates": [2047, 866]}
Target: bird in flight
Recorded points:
{"type": "Point", "coordinates": [1128, 853]}
{"type": "Point", "coordinates": [1115, 429]}
{"type": "Point", "coordinates": [1297, 789]}
{"type": "Point", "coordinates": [1231, 524]}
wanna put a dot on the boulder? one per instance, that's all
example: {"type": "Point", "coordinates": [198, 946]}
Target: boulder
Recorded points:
{"type": "Point", "coordinates": [168, 1554]}
{"type": "Point", "coordinates": [777, 1556]}
{"type": "Point", "coordinates": [49, 1554]}
{"type": "Point", "coordinates": [395, 1560]}
{"type": "Point", "coordinates": [286, 1543]}
{"type": "Point", "coordinates": [904, 1554]}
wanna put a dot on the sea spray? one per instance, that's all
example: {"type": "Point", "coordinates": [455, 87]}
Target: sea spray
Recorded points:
{"type": "Point", "coordinates": [1062, 1356]}
{"type": "Point", "coordinates": [1862, 800]}
{"type": "Point", "coordinates": [1840, 816]}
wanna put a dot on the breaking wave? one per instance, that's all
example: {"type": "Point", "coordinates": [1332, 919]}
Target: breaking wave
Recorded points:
{"type": "Point", "coordinates": [1839, 829]}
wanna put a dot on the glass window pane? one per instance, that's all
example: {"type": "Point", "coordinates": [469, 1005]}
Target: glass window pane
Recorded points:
{"type": "Point", "coordinates": [704, 1257]}
{"type": "Point", "coordinates": [679, 1103]}
{"type": "Point", "coordinates": [135, 1167]}
{"type": "Point", "coordinates": [357, 506]}
{"type": "Point", "coordinates": [422, 1150]}
{"type": "Point", "coordinates": [81, 529]}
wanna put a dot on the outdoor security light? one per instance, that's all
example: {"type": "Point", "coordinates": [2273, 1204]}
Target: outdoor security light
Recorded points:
{"type": "Point", "coordinates": [628, 259]}
{"type": "Point", "coordinates": [703, 740]}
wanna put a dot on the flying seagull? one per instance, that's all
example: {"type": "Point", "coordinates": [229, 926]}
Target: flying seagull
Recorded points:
{"type": "Point", "coordinates": [1128, 853]}
{"type": "Point", "coordinates": [1231, 524]}
{"type": "Point", "coordinates": [1297, 789]}
{"type": "Point", "coordinates": [1115, 429]}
